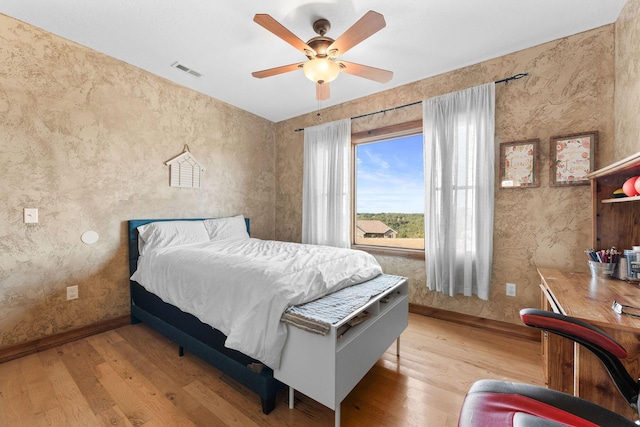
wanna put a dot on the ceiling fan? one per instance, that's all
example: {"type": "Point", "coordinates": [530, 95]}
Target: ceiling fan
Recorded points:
{"type": "Point", "coordinates": [322, 52]}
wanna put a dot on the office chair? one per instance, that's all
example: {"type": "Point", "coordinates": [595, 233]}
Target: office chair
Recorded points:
{"type": "Point", "coordinates": [501, 404]}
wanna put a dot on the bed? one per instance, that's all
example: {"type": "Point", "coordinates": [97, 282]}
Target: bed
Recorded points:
{"type": "Point", "coordinates": [324, 359]}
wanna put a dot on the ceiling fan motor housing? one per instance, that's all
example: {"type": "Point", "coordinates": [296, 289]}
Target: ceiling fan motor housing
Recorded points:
{"type": "Point", "coordinates": [320, 45]}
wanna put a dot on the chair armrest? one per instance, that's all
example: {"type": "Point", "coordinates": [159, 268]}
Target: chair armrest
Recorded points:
{"type": "Point", "coordinates": [572, 328]}
{"type": "Point", "coordinates": [606, 348]}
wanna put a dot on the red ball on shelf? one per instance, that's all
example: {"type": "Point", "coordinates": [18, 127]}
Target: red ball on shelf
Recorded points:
{"type": "Point", "coordinates": [636, 185]}
{"type": "Point", "coordinates": [629, 187]}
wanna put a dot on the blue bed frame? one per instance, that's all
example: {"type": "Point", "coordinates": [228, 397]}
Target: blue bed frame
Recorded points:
{"type": "Point", "coordinates": [189, 333]}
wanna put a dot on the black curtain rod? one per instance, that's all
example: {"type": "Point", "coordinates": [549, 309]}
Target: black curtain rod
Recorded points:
{"type": "Point", "coordinates": [508, 79]}
{"type": "Point", "coordinates": [505, 81]}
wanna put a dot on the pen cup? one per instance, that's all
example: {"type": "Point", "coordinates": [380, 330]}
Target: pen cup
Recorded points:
{"type": "Point", "coordinates": [601, 269]}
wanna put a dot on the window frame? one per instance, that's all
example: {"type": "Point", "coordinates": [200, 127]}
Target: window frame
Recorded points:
{"type": "Point", "coordinates": [384, 133]}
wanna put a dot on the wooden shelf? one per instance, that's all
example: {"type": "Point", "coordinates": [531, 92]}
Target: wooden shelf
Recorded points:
{"type": "Point", "coordinates": [621, 199]}
{"type": "Point", "coordinates": [615, 220]}
{"type": "Point", "coordinates": [629, 165]}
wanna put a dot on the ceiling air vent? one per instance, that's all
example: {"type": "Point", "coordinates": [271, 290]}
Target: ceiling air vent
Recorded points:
{"type": "Point", "coordinates": [186, 69]}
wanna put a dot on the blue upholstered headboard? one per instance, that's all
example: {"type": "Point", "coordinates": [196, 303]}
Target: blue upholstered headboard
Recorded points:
{"type": "Point", "coordinates": [133, 236]}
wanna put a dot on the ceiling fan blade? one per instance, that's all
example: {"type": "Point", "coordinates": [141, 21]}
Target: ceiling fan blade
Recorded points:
{"type": "Point", "coordinates": [322, 91]}
{"type": "Point", "coordinates": [368, 25]}
{"type": "Point", "coordinates": [279, 30]}
{"type": "Point", "coordinates": [371, 73]}
{"type": "Point", "coordinates": [275, 71]}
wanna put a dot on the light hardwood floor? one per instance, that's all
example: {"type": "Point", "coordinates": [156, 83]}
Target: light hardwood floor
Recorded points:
{"type": "Point", "coordinates": [132, 376]}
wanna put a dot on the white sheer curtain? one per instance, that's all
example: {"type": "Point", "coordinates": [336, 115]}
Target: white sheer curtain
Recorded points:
{"type": "Point", "coordinates": [459, 188]}
{"type": "Point", "coordinates": [326, 184]}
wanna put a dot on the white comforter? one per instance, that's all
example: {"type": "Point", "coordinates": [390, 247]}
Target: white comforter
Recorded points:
{"type": "Point", "coordinates": [242, 287]}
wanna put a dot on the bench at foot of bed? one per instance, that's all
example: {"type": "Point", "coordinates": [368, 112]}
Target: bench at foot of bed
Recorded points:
{"type": "Point", "coordinates": [326, 368]}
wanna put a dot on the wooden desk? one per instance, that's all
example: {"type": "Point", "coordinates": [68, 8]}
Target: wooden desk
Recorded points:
{"type": "Point", "coordinates": [572, 368]}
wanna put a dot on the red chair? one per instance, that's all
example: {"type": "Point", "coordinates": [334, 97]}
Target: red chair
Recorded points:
{"type": "Point", "coordinates": [506, 404]}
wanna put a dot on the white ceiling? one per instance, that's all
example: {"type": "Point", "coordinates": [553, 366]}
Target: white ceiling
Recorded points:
{"type": "Point", "coordinates": [219, 39]}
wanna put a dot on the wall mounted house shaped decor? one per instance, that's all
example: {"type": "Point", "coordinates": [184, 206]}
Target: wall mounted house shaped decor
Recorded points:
{"type": "Point", "coordinates": [185, 171]}
{"type": "Point", "coordinates": [572, 158]}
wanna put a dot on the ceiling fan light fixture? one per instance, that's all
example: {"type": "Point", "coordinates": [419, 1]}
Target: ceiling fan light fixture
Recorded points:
{"type": "Point", "coordinates": [321, 70]}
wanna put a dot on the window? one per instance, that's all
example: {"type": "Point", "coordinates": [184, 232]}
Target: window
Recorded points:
{"type": "Point", "coordinates": [388, 196]}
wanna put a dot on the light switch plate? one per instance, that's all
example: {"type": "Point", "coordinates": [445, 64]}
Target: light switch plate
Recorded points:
{"type": "Point", "coordinates": [30, 215]}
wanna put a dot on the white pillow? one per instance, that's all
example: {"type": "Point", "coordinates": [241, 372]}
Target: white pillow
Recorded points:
{"type": "Point", "coordinates": [227, 228]}
{"type": "Point", "coordinates": [162, 234]}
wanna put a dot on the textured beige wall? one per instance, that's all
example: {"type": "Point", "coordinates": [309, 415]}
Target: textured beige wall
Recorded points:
{"type": "Point", "coordinates": [569, 89]}
{"type": "Point", "coordinates": [627, 95]}
{"type": "Point", "coordinates": [84, 138]}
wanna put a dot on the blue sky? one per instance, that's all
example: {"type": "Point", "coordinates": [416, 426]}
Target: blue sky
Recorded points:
{"type": "Point", "coordinates": [390, 176]}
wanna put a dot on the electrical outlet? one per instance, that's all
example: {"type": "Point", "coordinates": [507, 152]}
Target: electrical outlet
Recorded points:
{"type": "Point", "coordinates": [511, 289]}
{"type": "Point", "coordinates": [72, 292]}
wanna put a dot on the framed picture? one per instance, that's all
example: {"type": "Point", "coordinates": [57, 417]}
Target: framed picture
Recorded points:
{"type": "Point", "coordinates": [519, 164]}
{"type": "Point", "coordinates": [572, 158]}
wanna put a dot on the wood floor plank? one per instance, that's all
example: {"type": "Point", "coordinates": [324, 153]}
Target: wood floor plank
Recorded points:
{"type": "Point", "coordinates": [70, 400]}
{"type": "Point", "coordinates": [114, 417]}
{"type": "Point", "coordinates": [16, 405]}
{"type": "Point", "coordinates": [81, 360]}
{"type": "Point", "coordinates": [125, 398]}
{"type": "Point", "coordinates": [133, 377]}
{"type": "Point", "coordinates": [227, 414]}
{"type": "Point", "coordinates": [52, 417]}
{"type": "Point", "coordinates": [171, 386]}
{"type": "Point", "coordinates": [39, 388]}
{"type": "Point", "coordinates": [231, 391]}
{"type": "Point", "coordinates": [371, 399]}
{"type": "Point", "coordinates": [136, 386]}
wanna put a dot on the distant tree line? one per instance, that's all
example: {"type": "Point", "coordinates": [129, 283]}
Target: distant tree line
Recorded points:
{"type": "Point", "coordinates": [407, 225]}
